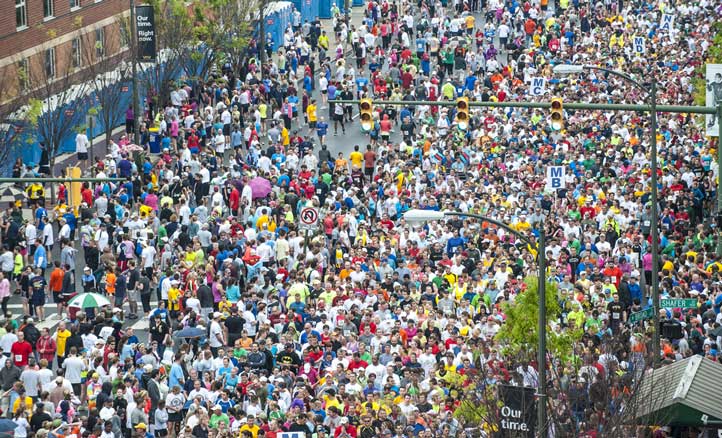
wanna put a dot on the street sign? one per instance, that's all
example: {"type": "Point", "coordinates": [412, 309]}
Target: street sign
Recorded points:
{"type": "Point", "coordinates": [647, 313]}
{"type": "Point", "coordinates": [309, 217]}
{"type": "Point", "coordinates": [684, 303]}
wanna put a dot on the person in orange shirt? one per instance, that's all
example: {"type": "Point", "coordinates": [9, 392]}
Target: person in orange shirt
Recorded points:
{"type": "Point", "coordinates": [56, 282]}
{"type": "Point", "coordinates": [110, 279]}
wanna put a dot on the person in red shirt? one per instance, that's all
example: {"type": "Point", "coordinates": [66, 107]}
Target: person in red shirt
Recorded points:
{"type": "Point", "coordinates": [234, 199]}
{"type": "Point", "coordinates": [21, 351]}
{"type": "Point", "coordinates": [357, 362]}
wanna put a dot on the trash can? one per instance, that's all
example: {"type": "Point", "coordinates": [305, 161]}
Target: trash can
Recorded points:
{"type": "Point", "coordinates": [154, 141]}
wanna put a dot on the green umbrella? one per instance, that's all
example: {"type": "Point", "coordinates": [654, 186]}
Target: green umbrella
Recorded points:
{"type": "Point", "coordinates": [89, 300]}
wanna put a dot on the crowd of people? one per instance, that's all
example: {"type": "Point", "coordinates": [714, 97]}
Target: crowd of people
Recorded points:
{"type": "Point", "coordinates": [370, 325]}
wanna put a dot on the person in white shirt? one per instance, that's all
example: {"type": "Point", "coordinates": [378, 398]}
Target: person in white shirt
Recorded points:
{"type": "Point", "coordinates": [81, 148]}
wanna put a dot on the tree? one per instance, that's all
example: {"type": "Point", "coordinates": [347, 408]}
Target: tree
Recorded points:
{"type": "Point", "coordinates": [521, 331]}
{"type": "Point", "coordinates": [12, 122]}
{"type": "Point", "coordinates": [57, 97]}
{"type": "Point", "coordinates": [222, 30]}
{"type": "Point", "coordinates": [107, 66]}
{"type": "Point", "coordinates": [174, 35]}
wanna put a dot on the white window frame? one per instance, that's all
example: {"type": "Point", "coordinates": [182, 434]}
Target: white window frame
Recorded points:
{"type": "Point", "coordinates": [48, 10]}
{"type": "Point", "coordinates": [23, 6]}
{"type": "Point", "coordinates": [50, 62]}
{"type": "Point", "coordinates": [23, 79]}
{"type": "Point", "coordinates": [77, 52]}
{"type": "Point", "coordinates": [74, 5]}
{"type": "Point", "coordinates": [100, 48]}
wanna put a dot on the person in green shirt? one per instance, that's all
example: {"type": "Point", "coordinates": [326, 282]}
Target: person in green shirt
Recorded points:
{"type": "Point", "coordinates": [217, 417]}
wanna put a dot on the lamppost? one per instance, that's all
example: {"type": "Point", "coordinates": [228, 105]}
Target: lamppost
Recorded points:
{"type": "Point", "coordinates": [651, 93]}
{"type": "Point", "coordinates": [432, 215]}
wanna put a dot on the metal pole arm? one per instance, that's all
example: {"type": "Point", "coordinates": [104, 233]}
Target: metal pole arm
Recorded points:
{"type": "Point", "coordinates": [521, 236]}
{"type": "Point", "coordinates": [619, 74]}
{"type": "Point", "coordinates": [546, 105]}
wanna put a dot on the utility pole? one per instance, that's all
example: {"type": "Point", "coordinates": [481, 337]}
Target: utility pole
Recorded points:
{"type": "Point", "coordinates": [134, 62]}
{"type": "Point", "coordinates": [542, 347]}
{"type": "Point", "coordinates": [655, 221]}
{"type": "Point", "coordinates": [262, 38]}
{"type": "Point", "coordinates": [719, 172]}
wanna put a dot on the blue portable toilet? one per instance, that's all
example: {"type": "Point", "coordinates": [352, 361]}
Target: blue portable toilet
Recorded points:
{"type": "Point", "coordinates": [278, 17]}
{"type": "Point", "coordinates": [324, 9]}
{"type": "Point", "coordinates": [357, 3]}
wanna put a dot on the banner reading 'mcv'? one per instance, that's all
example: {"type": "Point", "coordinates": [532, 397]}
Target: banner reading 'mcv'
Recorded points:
{"type": "Point", "coordinates": [145, 33]}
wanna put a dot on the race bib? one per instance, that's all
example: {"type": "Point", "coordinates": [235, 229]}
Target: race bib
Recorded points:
{"type": "Point", "coordinates": [18, 358]}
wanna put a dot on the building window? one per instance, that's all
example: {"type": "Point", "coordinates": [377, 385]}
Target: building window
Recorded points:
{"type": "Point", "coordinates": [21, 14]}
{"type": "Point", "coordinates": [74, 4]}
{"type": "Point", "coordinates": [23, 74]}
{"type": "Point", "coordinates": [100, 42]}
{"type": "Point", "coordinates": [48, 8]}
{"type": "Point", "coordinates": [77, 54]}
{"type": "Point", "coordinates": [50, 63]}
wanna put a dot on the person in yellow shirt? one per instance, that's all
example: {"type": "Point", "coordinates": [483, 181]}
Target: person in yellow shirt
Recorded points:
{"type": "Point", "coordinates": [61, 337]}
{"type": "Point", "coordinates": [340, 163]}
{"type": "Point", "coordinates": [250, 426]}
{"type": "Point", "coordinates": [285, 138]}
{"type": "Point", "coordinates": [356, 157]}
{"type": "Point", "coordinates": [174, 296]}
{"type": "Point", "coordinates": [323, 40]}
{"type": "Point", "coordinates": [263, 110]}
{"type": "Point", "coordinates": [311, 114]}
{"type": "Point", "coordinates": [523, 224]}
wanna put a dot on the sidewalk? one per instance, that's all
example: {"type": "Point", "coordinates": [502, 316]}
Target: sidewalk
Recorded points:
{"type": "Point", "coordinates": [99, 146]}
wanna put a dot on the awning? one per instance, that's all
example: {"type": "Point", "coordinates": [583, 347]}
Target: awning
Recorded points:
{"type": "Point", "coordinates": [685, 393]}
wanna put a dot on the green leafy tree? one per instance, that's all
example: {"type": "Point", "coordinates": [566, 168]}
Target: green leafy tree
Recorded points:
{"type": "Point", "coordinates": [520, 331]}
{"type": "Point", "coordinates": [173, 26]}
{"type": "Point", "coordinates": [222, 29]}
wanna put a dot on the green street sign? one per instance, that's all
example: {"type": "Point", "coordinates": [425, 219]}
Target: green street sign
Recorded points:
{"type": "Point", "coordinates": [647, 313]}
{"type": "Point", "coordinates": [685, 303]}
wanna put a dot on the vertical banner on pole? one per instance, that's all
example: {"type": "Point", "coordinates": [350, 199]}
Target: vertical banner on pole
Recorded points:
{"type": "Point", "coordinates": [517, 411]}
{"type": "Point", "coordinates": [537, 86]}
{"type": "Point", "coordinates": [713, 97]}
{"type": "Point", "coordinates": [639, 45]}
{"type": "Point", "coordinates": [555, 178]}
{"type": "Point", "coordinates": [145, 33]}
{"type": "Point", "coordinates": [666, 22]}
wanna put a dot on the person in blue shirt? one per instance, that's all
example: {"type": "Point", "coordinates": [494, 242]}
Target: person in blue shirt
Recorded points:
{"type": "Point", "coordinates": [322, 130]}
{"type": "Point", "coordinates": [176, 377]}
{"type": "Point", "coordinates": [455, 242]}
{"type": "Point", "coordinates": [40, 257]}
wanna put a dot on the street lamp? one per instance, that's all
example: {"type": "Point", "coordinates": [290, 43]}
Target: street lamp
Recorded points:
{"type": "Point", "coordinates": [416, 216]}
{"type": "Point", "coordinates": [652, 101]}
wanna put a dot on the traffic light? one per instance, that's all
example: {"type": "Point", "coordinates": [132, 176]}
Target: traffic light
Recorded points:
{"type": "Point", "coordinates": [557, 121]}
{"type": "Point", "coordinates": [462, 112]}
{"type": "Point", "coordinates": [367, 114]}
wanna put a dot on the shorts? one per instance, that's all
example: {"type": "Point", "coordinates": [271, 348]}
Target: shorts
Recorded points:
{"type": "Point", "coordinates": [338, 117]}
{"type": "Point", "coordinates": [133, 295]}
{"type": "Point", "coordinates": [175, 417]}
{"type": "Point", "coordinates": [38, 300]}
{"type": "Point", "coordinates": [324, 91]}
{"type": "Point", "coordinates": [160, 433]}
{"type": "Point", "coordinates": [82, 156]}
{"type": "Point", "coordinates": [57, 298]}
{"type": "Point", "coordinates": [312, 125]}
{"type": "Point", "coordinates": [227, 130]}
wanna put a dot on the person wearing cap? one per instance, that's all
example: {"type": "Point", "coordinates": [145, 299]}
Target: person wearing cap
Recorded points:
{"type": "Point", "coordinates": [216, 333]}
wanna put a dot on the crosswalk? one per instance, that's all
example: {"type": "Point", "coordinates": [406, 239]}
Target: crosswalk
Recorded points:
{"type": "Point", "coordinates": [52, 319]}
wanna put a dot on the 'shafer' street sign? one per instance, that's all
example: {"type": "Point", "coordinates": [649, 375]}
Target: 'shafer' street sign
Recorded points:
{"type": "Point", "coordinates": [684, 303]}
{"type": "Point", "coordinates": [647, 313]}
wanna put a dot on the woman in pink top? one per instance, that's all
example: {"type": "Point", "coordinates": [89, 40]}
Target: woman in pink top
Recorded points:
{"type": "Point", "coordinates": [4, 292]}
{"type": "Point", "coordinates": [151, 200]}
{"type": "Point", "coordinates": [647, 266]}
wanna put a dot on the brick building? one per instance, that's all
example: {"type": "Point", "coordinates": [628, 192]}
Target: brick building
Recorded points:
{"type": "Point", "coordinates": [46, 40]}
